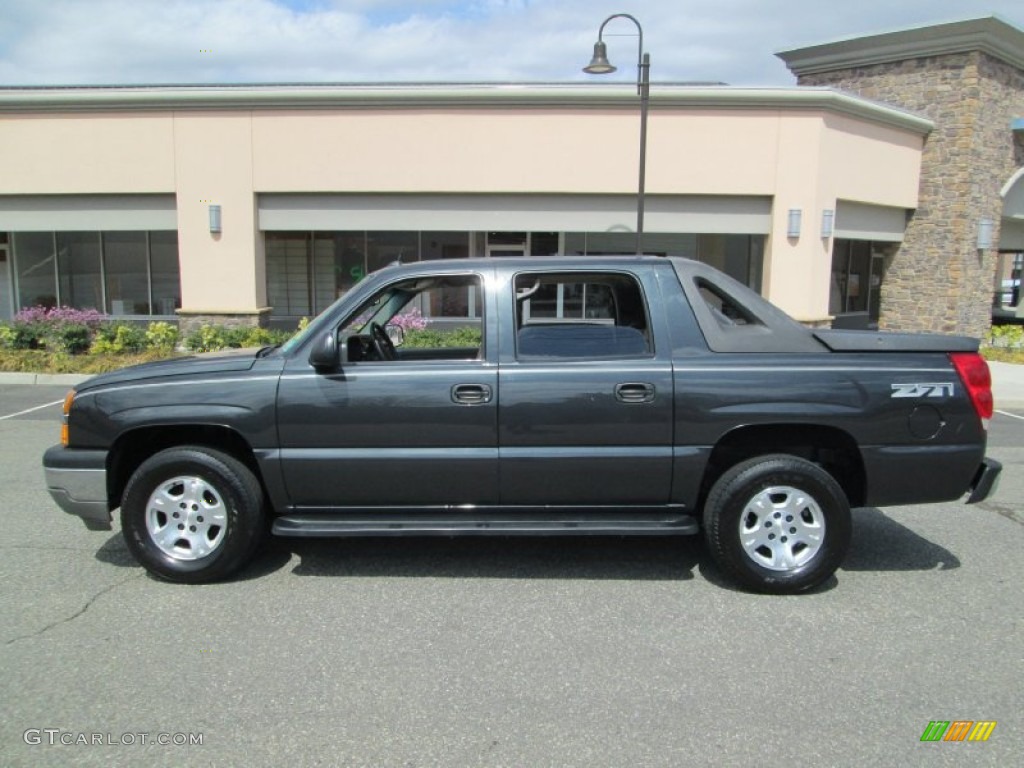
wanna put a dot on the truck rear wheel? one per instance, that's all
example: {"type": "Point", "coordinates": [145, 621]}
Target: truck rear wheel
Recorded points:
{"type": "Point", "coordinates": [192, 514]}
{"type": "Point", "coordinates": [777, 524]}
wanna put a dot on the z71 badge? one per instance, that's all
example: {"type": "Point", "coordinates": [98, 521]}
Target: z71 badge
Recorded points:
{"type": "Point", "coordinates": [941, 389]}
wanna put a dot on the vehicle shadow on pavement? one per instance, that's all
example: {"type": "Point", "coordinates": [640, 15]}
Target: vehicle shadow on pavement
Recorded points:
{"type": "Point", "coordinates": [881, 544]}
{"type": "Point", "coordinates": [115, 552]}
{"type": "Point", "coordinates": [270, 558]}
{"type": "Point", "coordinates": [568, 557]}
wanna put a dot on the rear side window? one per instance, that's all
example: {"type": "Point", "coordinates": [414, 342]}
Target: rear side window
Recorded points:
{"type": "Point", "coordinates": [580, 315]}
{"type": "Point", "coordinates": [727, 311]}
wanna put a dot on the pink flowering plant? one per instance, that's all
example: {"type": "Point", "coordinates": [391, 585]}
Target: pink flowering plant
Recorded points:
{"type": "Point", "coordinates": [58, 329]}
{"type": "Point", "coordinates": [410, 320]}
{"type": "Point", "coordinates": [60, 316]}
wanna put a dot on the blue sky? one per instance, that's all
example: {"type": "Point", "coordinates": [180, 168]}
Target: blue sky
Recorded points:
{"type": "Point", "coordinates": [73, 42]}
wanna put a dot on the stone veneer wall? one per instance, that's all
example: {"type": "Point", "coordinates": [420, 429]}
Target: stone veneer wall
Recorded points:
{"type": "Point", "coordinates": [188, 322]}
{"type": "Point", "coordinates": [938, 280]}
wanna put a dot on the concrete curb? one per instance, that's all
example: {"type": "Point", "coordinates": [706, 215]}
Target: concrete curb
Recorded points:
{"type": "Point", "coordinates": [53, 379]}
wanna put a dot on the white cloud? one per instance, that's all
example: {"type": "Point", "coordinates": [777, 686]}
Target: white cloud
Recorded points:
{"type": "Point", "coordinates": [204, 41]}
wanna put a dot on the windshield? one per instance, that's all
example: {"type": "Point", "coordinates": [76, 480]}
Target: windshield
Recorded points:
{"type": "Point", "coordinates": [311, 330]}
{"type": "Point", "coordinates": [379, 309]}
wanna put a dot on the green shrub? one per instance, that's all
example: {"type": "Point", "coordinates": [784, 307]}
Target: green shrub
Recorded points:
{"type": "Point", "coordinates": [68, 338]}
{"type": "Point", "coordinates": [434, 339]}
{"type": "Point", "coordinates": [162, 336]}
{"type": "Point", "coordinates": [261, 337]}
{"type": "Point", "coordinates": [43, 361]}
{"type": "Point", "coordinates": [234, 337]}
{"type": "Point", "coordinates": [210, 338]}
{"type": "Point", "coordinates": [1008, 336]}
{"type": "Point", "coordinates": [7, 335]}
{"type": "Point", "coordinates": [25, 336]}
{"type": "Point", "coordinates": [118, 338]}
{"type": "Point", "coordinates": [207, 338]}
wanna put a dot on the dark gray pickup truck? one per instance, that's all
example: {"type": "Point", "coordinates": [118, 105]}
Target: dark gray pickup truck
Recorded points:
{"type": "Point", "coordinates": [616, 395]}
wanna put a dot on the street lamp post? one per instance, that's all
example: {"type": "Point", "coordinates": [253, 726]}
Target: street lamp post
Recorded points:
{"type": "Point", "coordinates": [599, 65]}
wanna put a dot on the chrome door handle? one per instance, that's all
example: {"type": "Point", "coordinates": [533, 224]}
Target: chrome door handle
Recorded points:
{"type": "Point", "coordinates": [635, 392]}
{"type": "Point", "coordinates": [471, 394]}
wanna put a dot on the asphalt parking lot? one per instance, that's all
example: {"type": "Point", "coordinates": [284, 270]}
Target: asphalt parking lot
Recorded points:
{"type": "Point", "coordinates": [506, 652]}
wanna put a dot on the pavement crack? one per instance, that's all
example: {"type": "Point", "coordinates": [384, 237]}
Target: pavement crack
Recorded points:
{"type": "Point", "coordinates": [81, 611]}
{"type": "Point", "coordinates": [1007, 512]}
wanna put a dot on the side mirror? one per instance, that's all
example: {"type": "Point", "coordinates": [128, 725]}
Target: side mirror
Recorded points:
{"type": "Point", "coordinates": [324, 356]}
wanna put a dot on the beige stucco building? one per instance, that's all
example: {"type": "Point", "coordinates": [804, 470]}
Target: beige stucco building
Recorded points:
{"type": "Point", "coordinates": [263, 203]}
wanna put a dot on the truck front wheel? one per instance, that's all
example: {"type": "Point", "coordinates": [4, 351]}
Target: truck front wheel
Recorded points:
{"type": "Point", "coordinates": [777, 524]}
{"type": "Point", "coordinates": [192, 514]}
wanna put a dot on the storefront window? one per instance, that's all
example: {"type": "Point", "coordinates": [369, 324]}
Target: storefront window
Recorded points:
{"type": "Point", "coordinates": [739, 256]}
{"type": "Point", "coordinates": [288, 274]}
{"type": "Point", "coordinates": [78, 269]}
{"type": "Point", "coordinates": [306, 271]}
{"type": "Point", "coordinates": [113, 272]}
{"type": "Point", "coordinates": [444, 245]}
{"type": "Point", "coordinates": [36, 269]}
{"type": "Point", "coordinates": [543, 243]}
{"type": "Point", "coordinates": [126, 273]}
{"type": "Point", "coordinates": [165, 272]}
{"type": "Point", "coordinates": [383, 248]}
{"type": "Point", "coordinates": [6, 298]}
{"type": "Point", "coordinates": [349, 259]}
{"type": "Point", "coordinates": [856, 279]}
{"type": "Point", "coordinates": [322, 267]}
{"type": "Point", "coordinates": [1009, 266]}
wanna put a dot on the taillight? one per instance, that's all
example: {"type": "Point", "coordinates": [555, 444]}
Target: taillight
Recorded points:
{"type": "Point", "coordinates": [68, 400]}
{"type": "Point", "coordinates": [974, 373]}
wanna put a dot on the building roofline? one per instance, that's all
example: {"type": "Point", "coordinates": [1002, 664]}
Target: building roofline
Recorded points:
{"type": "Point", "coordinates": [993, 35]}
{"type": "Point", "coordinates": [72, 99]}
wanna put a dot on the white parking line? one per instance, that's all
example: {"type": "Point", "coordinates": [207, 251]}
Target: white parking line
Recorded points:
{"type": "Point", "coordinates": [1011, 415]}
{"type": "Point", "coordinates": [29, 410]}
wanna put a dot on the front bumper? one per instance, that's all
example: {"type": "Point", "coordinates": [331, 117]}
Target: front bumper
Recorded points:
{"type": "Point", "coordinates": [77, 481]}
{"type": "Point", "coordinates": [986, 480]}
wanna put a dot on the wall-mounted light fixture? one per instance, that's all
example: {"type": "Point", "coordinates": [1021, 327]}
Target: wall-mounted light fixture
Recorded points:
{"type": "Point", "coordinates": [986, 229]}
{"type": "Point", "coordinates": [215, 224]}
{"type": "Point", "coordinates": [828, 221]}
{"type": "Point", "coordinates": [793, 222]}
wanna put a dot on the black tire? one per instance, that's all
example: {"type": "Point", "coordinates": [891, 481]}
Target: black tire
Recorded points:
{"type": "Point", "coordinates": [777, 524]}
{"type": "Point", "coordinates": [192, 514]}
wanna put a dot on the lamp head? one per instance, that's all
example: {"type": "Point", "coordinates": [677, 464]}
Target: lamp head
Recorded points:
{"type": "Point", "coordinates": [599, 64]}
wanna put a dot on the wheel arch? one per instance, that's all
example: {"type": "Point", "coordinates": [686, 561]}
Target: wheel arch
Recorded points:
{"type": "Point", "coordinates": [136, 445]}
{"type": "Point", "coordinates": [831, 448]}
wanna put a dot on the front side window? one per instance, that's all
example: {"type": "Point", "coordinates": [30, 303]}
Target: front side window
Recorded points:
{"type": "Point", "coordinates": [579, 315]}
{"type": "Point", "coordinates": [423, 318]}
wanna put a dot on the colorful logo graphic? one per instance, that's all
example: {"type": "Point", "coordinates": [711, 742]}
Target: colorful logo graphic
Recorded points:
{"type": "Point", "coordinates": [958, 730]}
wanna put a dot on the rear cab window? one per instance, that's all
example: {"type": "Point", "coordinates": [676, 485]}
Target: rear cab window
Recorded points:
{"type": "Point", "coordinates": [580, 316]}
